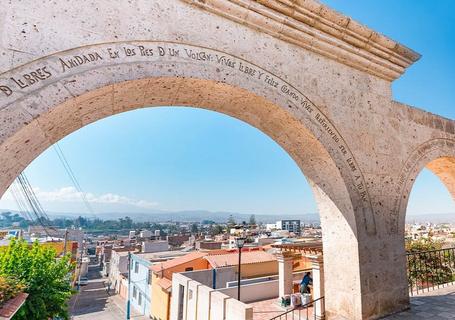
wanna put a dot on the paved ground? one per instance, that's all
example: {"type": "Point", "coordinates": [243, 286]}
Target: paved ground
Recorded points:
{"type": "Point", "coordinates": [93, 302]}
{"type": "Point", "coordinates": [267, 309]}
{"type": "Point", "coordinates": [434, 305]}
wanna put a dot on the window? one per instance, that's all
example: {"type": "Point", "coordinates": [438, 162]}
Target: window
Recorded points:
{"type": "Point", "coordinates": [134, 292]}
{"type": "Point", "coordinates": [189, 269]}
{"type": "Point", "coordinates": [136, 267]}
{"type": "Point", "coordinates": [181, 296]}
{"type": "Point", "coordinates": [140, 299]}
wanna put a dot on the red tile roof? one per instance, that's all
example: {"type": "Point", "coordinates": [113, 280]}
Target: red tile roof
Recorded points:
{"type": "Point", "coordinates": [166, 284]}
{"type": "Point", "coordinates": [232, 259]}
{"type": "Point", "coordinates": [177, 261]}
{"type": "Point", "coordinates": [10, 307]}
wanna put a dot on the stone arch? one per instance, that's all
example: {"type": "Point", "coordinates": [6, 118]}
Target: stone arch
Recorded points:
{"type": "Point", "coordinates": [47, 99]}
{"type": "Point", "coordinates": [164, 70]}
{"type": "Point", "coordinates": [437, 155]}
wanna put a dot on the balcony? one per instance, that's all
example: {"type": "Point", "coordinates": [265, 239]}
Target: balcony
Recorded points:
{"type": "Point", "coordinates": [431, 276]}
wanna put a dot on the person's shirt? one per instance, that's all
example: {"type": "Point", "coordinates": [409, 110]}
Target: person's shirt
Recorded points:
{"type": "Point", "coordinates": [306, 280]}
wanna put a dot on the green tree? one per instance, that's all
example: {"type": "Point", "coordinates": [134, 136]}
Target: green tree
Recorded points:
{"type": "Point", "coordinates": [80, 222]}
{"type": "Point", "coordinates": [46, 279]}
{"type": "Point", "coordinates": [252, 221]}
{"type": "Point", "coordinates": [216, 229]}
{"type": "Point", "coordinates": [194, 228]}
{"type": "Point", "coordinates": [126, 223]}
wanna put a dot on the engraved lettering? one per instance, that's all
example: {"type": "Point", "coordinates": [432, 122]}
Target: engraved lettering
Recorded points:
{"type": "Point", "coordinates": [79, 60]}
{"type": "Point", "coordinates": [226, 61]}
{"type": "Point", "coordinates": [19, 82]}
{"type": "Point", "coordinates": [270, 81]}
{"type": "Point", "coordinates": [351, 164]}
{"type": "Point", "coordinates": [200, 56]}
{"type": "Point", "coordinates": [29, 79]}
{"type": "Point", "coordinates": [173, 52]}
{"type": "Point", "coordinates": [248, 70]}
{"type": "Point", "coordinates": [46, 73]}
{"type": "Point", "coordinates": [307, 106]}
{"type": "Point", "coordinates": [129, 52]}
{"type": "Point", "coordinates": [327, 127]}
{"type": "Point", "coordinates": [342, 149]}
{"type": "Point", "coordinates": [6, 90]}
{"type": "Point", "coordinates": [113, 54]}
{"type": "Point", "coordinates": [286, 90]}
{"type": "Point", "coordinates": [145, 52]}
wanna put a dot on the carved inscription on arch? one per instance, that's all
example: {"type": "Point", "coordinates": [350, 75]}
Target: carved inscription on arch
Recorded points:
{"type": "Point", "coordinates": [24, 80]}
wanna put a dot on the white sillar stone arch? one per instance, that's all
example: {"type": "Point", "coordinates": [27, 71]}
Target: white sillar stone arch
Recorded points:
{"type": "Point", "coordinates": [315, 81]}
{"type": "Point", "coordinates": [69, 90]}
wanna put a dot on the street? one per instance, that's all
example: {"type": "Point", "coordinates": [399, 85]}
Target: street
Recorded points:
{"type": "Point", "coordinates": [93, 302]}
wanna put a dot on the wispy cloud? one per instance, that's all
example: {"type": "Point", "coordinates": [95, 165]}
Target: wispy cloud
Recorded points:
{"type": "Point", "coordinates": [70, 194]}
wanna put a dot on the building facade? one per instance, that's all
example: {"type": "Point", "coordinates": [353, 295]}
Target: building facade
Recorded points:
{"type": "Point", "coordinates": [140, 289]}
{"type": "Point", "coordinates": [289, 225]}
{"type": "Point", "coordinates": [118, 266]}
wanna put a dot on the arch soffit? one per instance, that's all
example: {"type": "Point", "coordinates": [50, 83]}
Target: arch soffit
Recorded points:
{"type": "Point", "coordinates": [432, 153]}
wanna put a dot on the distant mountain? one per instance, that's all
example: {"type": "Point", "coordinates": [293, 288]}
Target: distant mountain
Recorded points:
{"type": "Point", "coordinates": [222, 216]}
{"type": "Point", "coordinates": [431, 217]}
{"type": "Point", "coordinates": [182, 216]}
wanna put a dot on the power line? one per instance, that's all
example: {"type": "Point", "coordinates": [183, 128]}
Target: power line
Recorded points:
{"type": "Point", "coordinates": [29, 205]}
{"type": "Point", "coordinates": [34, 198]}
{"type": "Point", "coordinates": [72, 177]}
{"type": "Point", "coordinates": [33, 203]}
{"type": "Point", "coordinates": [21, 204]}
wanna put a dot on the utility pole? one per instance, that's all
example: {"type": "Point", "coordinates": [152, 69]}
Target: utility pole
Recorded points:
{"type": "Point", "coordinates": [238, 279]}
{"type": "Point", "coordinates": [128, 306]}
{"type": "Point", "coordinates": [80, 263]}
{"type": "Point", "coordinates": [80, 267]}
{"type": "Point", "coordinates": [65, 242]}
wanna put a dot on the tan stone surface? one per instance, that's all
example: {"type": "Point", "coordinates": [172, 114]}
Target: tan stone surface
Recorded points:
{"type": "Point", "coordinates": [315, 81]}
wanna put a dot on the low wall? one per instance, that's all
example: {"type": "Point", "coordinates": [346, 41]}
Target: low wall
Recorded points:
{"type": "Point", "coordinates": [205, 303]}
{"type": "Point", "coordinates": [218, 306]}
{"type": "Point", "coordinates": [257, 289]}
{"type": "Point", "coordinates": [206, 277]}
{"type": "Point", "coordinates": [195, 301]}
{"type": "Point", "coordinates": [254, 292]}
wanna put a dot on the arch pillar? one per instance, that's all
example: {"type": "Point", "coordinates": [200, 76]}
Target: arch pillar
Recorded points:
{"type": "Point", "coordinates": [284, 274]}
{"type": "Point", "coordinates": [317, 265]}
{"type": "Point", "coordinates": [387, 284]}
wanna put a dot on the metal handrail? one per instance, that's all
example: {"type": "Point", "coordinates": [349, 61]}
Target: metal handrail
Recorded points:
{"type": "Point", "coordinates": [429, 270]}
{"type": "Point", "coordinates": [298, 311]}
{"type": "Point", "coordinates": [433, 250]}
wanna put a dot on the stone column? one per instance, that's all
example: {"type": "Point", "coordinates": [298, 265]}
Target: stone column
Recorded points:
{"type": "Point", "coordinates": [284, 273]}
{"type": "Point", "coordinates": [317, 265]}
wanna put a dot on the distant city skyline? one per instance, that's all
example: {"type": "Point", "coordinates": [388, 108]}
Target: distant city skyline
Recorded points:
{"type": "Point", "coordinates": [189, 159]}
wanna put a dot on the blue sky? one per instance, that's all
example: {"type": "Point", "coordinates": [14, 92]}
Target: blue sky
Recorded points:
{"type": "Point", "coordinates": [180, 158]}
